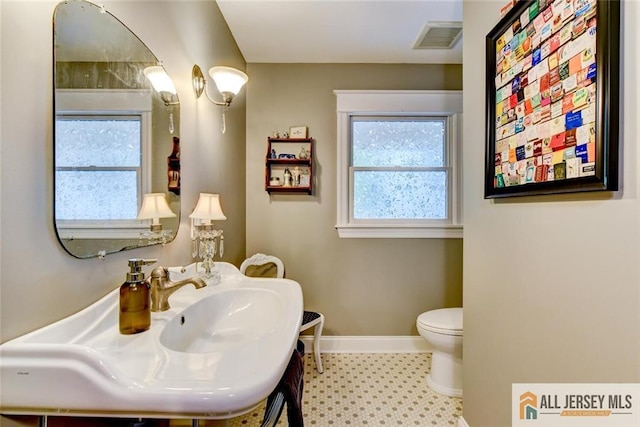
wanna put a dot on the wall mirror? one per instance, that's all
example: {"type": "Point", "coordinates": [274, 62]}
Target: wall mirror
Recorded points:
{"type": "Point", "coordinates": [115, 139]}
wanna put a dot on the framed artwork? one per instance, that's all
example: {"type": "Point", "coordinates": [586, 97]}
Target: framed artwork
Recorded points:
{"type": "Point", "coordinates": [552, 98]}
{"type": "Point", "coordinates": [298, 132]}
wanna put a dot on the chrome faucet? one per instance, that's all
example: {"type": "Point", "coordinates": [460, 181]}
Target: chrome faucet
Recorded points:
{"type": "Point", "coordinates": [162, 287]}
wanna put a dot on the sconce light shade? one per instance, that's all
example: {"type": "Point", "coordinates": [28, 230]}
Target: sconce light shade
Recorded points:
{"type": "Point", "coordinates": [160, 79]}
{"type": "Point", "coordinates": [154, 206]}
{"type": "Point", "coordinates": [228, 79]}
{"type": "Point", "coordinates": [208, 208]}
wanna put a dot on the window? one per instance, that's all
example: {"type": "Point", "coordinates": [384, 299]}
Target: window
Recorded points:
{"type": "Point", "coordinates": [98, 159]}
{"type": "Point", "coordinates": [397, 164]}
{"type": "Point", "coordinates": [102, 162]}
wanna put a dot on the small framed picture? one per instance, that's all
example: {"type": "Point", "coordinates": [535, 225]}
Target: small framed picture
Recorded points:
{"type": "Point", "coordinates": [298, 132]}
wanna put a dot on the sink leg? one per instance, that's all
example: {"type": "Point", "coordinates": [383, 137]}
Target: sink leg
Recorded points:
{"type": "Point", "coordinates": [43, 421]}
{"type": "Point", "coordinates": [195, 423]}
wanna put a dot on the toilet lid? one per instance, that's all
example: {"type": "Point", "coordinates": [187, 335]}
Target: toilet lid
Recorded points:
{"type": "Point", "coordinates": [446, 319]}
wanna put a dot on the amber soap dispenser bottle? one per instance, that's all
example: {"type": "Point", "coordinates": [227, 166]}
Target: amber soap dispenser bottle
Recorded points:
{"type": "Point", "coordinates": [135, 312]}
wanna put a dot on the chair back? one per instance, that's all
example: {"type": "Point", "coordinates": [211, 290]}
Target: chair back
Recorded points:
{"type": "Point", "coordinates": [261, 265]}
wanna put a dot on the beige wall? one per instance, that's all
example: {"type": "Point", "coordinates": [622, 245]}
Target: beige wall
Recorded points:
{"type": "Point", "coordinates": [551, 284]}
{"type": "Point", "coordinates": [362, 286]}
{"type": "Point", "coordinates": [40, 282]}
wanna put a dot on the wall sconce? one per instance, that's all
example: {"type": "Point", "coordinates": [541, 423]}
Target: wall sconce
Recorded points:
{"type": "Point", "coordinates": [228, 81]}
{"type": "Point", "coordinates": [154, 207]}
{"type": "Point", "coordinates": [206, 241]}
{"type": "Point", "coordinates": [163, 84]}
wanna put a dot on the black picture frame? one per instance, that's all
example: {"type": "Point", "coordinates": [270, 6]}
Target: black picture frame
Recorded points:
{"type": "Point", "coordinates": [524, 103]}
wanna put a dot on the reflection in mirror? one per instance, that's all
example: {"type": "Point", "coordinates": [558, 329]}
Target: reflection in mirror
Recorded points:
{"type": "Point", "coordinates": [115, 138]}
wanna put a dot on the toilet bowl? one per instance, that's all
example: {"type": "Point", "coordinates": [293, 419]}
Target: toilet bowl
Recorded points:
{"type": "Point", "coordinates": [442, 329]}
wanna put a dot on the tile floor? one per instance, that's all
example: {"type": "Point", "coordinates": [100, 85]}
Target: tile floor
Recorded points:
{"type": "Point", "coordinates": [372, 389]}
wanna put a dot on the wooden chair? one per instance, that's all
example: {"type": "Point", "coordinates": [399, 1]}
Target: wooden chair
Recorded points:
{"type": "Point", "coordinates": [261, 265]}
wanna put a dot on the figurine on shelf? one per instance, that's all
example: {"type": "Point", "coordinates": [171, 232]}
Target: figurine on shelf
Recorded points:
{"type": "Point", "coordinates": [285, 135]}
{"type": "Point", "coordinates": [273, 154]}
{"type": "Point", "coordinates": [304, 153]}
{"type": "Point", "coordinates": [296, 176]}
{"type": "Point", "coordinates": [275, 134]}
{"type": "Point", "coordinates": [288, 178]}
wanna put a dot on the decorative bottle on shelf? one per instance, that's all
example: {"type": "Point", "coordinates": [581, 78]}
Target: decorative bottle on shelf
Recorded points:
{"type": "Point", "coordinates": [135, 310]}
{"type": "Point", "coordinates": [173, 167]}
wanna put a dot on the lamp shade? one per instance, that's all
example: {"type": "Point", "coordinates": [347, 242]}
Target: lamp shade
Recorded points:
{"type": "Point", "coordinates": [154, 205]}
{"type": "Point", "coordinates": [160, 79]}
{"type": "Point", "coordinates": [228, 79]}
{"type": "Point", "coordinates": [208, 208]}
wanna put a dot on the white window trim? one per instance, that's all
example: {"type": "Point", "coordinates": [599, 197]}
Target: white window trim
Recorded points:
{"type": "Point", "coordinates": [116, 229]}
{"type": "Point", "coordinates": [83, 102]}
{"type": "Point", "coordinates": [397, 102]}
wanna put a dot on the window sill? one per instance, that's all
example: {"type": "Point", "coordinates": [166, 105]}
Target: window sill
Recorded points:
{"type": "Point", "coordinates": [79, 232]}
{"type": "Point", "coordinates": [361, 232]}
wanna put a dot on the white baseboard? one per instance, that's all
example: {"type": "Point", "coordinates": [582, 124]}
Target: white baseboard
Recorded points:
{"type": "Point", "coordinates": [462, 422]}
{"type": "Point", "coordinates": [368, 344]}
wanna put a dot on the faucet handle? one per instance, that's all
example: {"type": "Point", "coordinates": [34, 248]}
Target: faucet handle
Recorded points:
{"type": "Point", "coordinates": [159, 273]}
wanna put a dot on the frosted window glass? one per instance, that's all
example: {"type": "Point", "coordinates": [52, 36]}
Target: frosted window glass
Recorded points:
{"type": "Point", "coordinates": [98, 142]}
{"type": "Point", "coordinates": [96, 195]}
{"type": "Point", "coordinates": [407, 143]}
{"type": "Point", "coordinates": [400, 195]}
{"type": "Point", "coordinates": [98, 161]}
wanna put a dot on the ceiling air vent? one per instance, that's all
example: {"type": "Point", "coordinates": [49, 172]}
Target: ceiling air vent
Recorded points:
{"type": "Point", "coordinates": [439, 35]}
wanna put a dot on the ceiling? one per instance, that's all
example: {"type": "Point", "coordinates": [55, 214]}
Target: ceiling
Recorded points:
{"type": "Point", "coordinates": [339, 31]}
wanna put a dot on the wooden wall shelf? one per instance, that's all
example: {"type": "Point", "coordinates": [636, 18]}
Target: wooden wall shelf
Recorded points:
{"type": "Point", "coordinates": [300, 168]}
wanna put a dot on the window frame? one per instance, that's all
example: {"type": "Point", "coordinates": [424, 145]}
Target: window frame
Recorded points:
{"type": "Point", "coordinates": [90, 104]}
{"type": "Point", "coordinates": [398, 104]}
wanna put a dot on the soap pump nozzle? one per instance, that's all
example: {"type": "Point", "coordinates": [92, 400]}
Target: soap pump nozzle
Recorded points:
{"type": "Point", "coordinates": [135, 273]}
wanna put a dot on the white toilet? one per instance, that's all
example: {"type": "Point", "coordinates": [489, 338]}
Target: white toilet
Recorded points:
{"type": "Point", "coordinates": [442, 329]}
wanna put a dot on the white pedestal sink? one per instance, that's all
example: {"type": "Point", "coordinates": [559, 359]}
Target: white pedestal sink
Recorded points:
{"type": "Point", "coordinates": [217, 353]}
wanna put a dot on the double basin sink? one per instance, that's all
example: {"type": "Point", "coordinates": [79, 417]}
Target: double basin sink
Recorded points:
{"type": "Point", "coordinates": [215, 354]}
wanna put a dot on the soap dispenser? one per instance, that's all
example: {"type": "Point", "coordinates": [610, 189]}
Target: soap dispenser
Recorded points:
{"type": "Point", "coordinates": [135, 313]}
